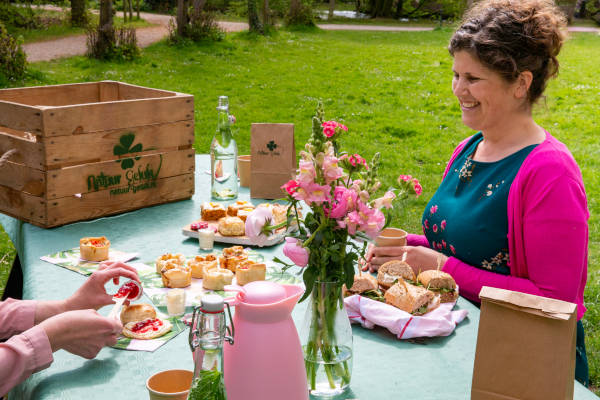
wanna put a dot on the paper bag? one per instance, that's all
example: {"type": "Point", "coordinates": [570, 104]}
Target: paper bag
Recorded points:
{"type": "Point", "coordinates": [273, 159]}
{"type": "Point", "coordinates": [525, 347]}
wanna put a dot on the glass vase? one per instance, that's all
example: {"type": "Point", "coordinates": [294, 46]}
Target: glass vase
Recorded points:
{"type": "Point", "coordinates": [326, 338]}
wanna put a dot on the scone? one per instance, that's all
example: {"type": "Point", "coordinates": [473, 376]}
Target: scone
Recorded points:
{"type": "Point", "coordinates": [233, 209]}
{"type": "Point", "coordinates": [94, 248]}
{"type": "Point", "coordinates": [198, 263]}
{"type": "Point", "coordinates": [232, 226]}
{"type": "Point", "coordinates": [137, 312]}
{"type": "Point", "coordinates": [149, 328]}
{"type": "Point", "coordinates": [216, 279]}
{"type": "Point", "coordinates": [161, 261]}
{"type": "Point", "coordinates": [250, 271]}
{"type": "Point", "coordinates": [176, 276]}
{"type": "Point", "coordinates": [213, 211]}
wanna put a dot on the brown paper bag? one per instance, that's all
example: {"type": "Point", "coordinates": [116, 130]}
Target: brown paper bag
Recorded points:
{"type": "Point", "coordinates": [525, 347]}
{"type": "Point", "coordinates": [273, 159]}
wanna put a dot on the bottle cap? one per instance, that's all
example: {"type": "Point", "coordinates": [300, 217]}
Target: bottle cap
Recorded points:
{"type": "Point", "coordinates": [223, 103]}
{"type": "Point", "coordinates": [212, 303]}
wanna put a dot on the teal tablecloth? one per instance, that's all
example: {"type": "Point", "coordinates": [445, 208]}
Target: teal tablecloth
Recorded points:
{"type": "Point", "coordinates": [384, 367]}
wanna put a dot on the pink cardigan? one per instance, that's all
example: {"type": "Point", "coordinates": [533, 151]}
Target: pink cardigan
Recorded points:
{"type": "Point", "coordinates": [24, 353]}
{"type": "Point", "coordinates": [547, 231]}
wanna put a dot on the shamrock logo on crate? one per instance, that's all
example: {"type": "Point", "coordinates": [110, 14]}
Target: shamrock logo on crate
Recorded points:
{"type": "Point", "coordinates": [271, 145]}
{"type": "Point", "coordinates": [125, 147]}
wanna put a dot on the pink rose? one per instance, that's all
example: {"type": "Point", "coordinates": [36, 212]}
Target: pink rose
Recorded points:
{"type": "Point", "coordinates": [255, 223]}
{"type": "Point", "coordinates": [294, 251]}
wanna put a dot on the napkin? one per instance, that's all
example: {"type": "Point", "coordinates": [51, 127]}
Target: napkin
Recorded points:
{"type": "Point", "coordinates": [368, 312]}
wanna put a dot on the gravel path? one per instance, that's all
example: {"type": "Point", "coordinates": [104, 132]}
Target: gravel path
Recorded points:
{"type": "Point", "coordinates": [76, 45]}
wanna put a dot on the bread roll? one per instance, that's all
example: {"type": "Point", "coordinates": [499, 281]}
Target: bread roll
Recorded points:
{"type": "Point", "coordinates": [441, 283]}
{"type": "Point", "coordinates": [176, 276]}
{"type": "Point", "coordinates": [408, 297]}
{"type": "Point", "coordinates": [137, 312]}
{"type": "Point", "coordinates": [390, 271]}
{"type": "Point", "coordinates": [362, 283]}
{"type": "Point", "coordinates": [216, 279]}
{"type": "Point", "coordinates": [198, 263]}
{"type": "Point", "coordinates": [147, 329]}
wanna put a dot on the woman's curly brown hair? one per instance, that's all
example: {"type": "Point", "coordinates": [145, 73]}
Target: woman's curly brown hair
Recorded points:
{"type": "Point", "coordinates": [512, 36]}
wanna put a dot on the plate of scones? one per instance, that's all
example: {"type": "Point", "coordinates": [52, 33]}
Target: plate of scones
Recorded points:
{"type": "Point", "coordinates": [229, 222]}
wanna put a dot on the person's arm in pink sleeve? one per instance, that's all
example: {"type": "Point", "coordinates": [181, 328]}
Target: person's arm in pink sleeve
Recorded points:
{"type": "Point", "coordinates": [416, 240]}
{"type": "Point", "coordinates": [16, 316]}
{"type": "Point", "coordinates": [471, 279]}
{"type": "Point", "coordinates": [555, 243]}
{"type": "Point", "coordinates": [22, 355]}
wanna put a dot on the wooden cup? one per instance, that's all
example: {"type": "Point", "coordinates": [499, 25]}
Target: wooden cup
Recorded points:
{"type": "Point", "coordinates": [244, 170]}
{"type": "Point", "coordinates": [391, 237]}
{"type": "Point", "coordinates": [173, 384]}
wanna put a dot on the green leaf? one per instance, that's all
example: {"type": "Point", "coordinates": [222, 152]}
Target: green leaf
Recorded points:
{"type": "Point", "coordinates": [309, 278]}
{"type": "Point", "coordinates": [136, 149]}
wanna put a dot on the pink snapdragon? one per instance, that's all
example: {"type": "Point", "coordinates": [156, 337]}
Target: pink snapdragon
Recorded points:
{"type": "Point", "coordinates": [290, 186]}
{"type": "Point", "coordinates": [317, 194]}
{"type": "Point", "coordinates": [255, 225]}
{"type": "Point", "coordinates": [307, 172]}
{"type": "Point", "coordinates": [371, 220]}
{"type": "Point", "coordinates": [385, 201]}
{"type": "Point", "coordinates": [331, 170]}
{"type": "Point", "coordinates": [344, 200]}
{"type": "Point", "coordinates": [404, 178]}
{"type": "Point", "coordinates": [294, 251]}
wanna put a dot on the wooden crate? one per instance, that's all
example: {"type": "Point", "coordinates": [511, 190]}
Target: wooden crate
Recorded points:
{"type": "Point", "coordinates": [82, 151]}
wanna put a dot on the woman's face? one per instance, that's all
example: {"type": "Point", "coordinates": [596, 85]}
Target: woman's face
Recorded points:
{"type": "Point", "coordinates": [486, 99]}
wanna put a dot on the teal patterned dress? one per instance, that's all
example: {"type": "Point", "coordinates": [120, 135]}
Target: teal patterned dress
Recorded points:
{"type": "Point", "coordinates": [467, 218]}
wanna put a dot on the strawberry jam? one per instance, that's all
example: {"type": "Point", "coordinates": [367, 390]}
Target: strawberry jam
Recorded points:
{"type": "Point", "coordinates": [147, 325]}
{"type": "Point", "coordinates": [129, 289]}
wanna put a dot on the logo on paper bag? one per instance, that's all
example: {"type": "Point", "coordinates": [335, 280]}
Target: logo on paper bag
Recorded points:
{"type": "Point", "coordinates": [271, 146]}
{"type": "Point", "coordinates": [136, 179]}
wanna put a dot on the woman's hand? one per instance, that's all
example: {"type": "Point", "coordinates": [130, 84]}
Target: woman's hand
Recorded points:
{"type": "Point", "coordinates": [418, 257]}
{"type": "Point", "coordinates": [81, 332]}
{"type": "Point", "coordinates": [92, 293]}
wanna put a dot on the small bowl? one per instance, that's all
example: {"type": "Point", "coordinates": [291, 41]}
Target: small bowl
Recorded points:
{"type": "Point", "coordinates": [173, 384]}
{"type": "Point", "coordinates": [391, 237]}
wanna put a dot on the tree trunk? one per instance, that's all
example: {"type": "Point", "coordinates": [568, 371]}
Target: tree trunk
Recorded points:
{"type": "Point", "coordinates": [399, 9]}
{"type": "Point", "coordinates": [130, 5]}
{"type": "Point", "coordinates": [106, 33]}
{"type": "Point", "coordinates": [266, 13]}
{"type": "Point", "coordinates": [125, 10]}
{"type": "Point", "coordinates": [137, 9]}
{"type": "Point", "coordinates": [331, 8]}
{"type": "Point", "coordinates": [78, 13]}
{"type": "Point", "coordinates": [387, 8]}
{"type": "Point", "coordinates": [253, 21]}
{"type": "Point", "coordinates": [198, 7]}
{"type": "Point", "coordinates": [182, 19]}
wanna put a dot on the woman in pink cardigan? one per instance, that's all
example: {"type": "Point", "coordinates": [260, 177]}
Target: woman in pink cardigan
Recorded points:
{"type": "Point", "coordinates": [511, 211]}
{"type": "Point", "coordinates": [36, 329]}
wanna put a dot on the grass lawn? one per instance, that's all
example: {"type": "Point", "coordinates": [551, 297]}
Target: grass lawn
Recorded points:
{"type": "Point", "coordinates": [391, 89]}
{"type": "Point", "coordinates": [65, 29]}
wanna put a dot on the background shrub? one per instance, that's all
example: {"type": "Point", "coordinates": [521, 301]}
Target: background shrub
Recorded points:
{"type": "Point", "coordinates": [13, 61]}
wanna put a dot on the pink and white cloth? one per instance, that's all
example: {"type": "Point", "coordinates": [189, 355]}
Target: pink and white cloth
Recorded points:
{"type": "Point", "coordinates": [368, 313]}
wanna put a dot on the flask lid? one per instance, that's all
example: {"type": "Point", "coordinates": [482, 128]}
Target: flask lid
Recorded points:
{"type": "Point", "coordinates": [262, 292]}
{"type": "Point", "coordinates": [212, 303]}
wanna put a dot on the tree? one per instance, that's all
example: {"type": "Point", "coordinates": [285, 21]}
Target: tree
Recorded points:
{"type": "Point", "coordinates": [78, 13]}
{"type": "Point", "coordinates": [106, 32]}
{"type": "Point", "coordinates": [254, 24]}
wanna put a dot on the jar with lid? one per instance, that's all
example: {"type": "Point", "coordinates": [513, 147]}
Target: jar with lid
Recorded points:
{"type": "Point", "coordinates": [208, 332]}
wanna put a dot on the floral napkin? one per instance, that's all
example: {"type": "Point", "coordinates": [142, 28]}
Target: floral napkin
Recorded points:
{"type": "Point", "coordinates": [125, 343]}
{"type": "Point", "coordinates": [70, 259]}
{"type": "Point", "coordinates": [368, 313]}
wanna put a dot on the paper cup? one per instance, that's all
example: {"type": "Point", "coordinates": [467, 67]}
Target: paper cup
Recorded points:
{"type": "Point", "coordinates": [244, 170]}
{"type": "Point", "coordinates": [173, 384]}
{"type": "Point", "coordinates": [391, 237]}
